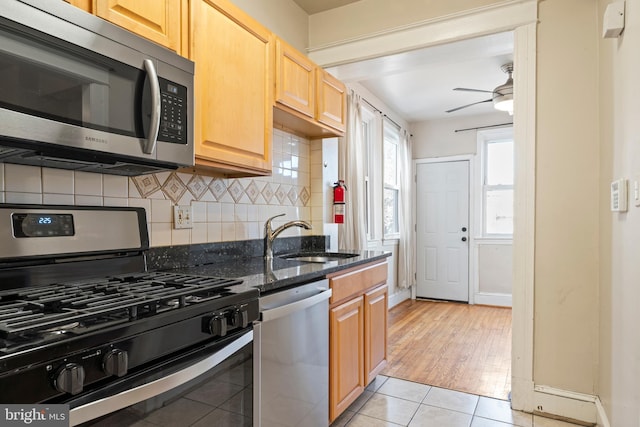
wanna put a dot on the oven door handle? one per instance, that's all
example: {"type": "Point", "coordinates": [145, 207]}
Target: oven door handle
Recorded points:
{"type": "Point", "coordinates": [127, 398]}
{"type": "Point", "coordinates": [300, 305]}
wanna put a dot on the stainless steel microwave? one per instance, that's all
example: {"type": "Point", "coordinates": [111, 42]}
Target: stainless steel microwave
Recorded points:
{"type": "Point", "coordinates": [77, 92]}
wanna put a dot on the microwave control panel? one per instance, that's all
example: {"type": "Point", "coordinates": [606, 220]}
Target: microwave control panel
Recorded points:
{"type": "Point", "coordinates": [173, 112]}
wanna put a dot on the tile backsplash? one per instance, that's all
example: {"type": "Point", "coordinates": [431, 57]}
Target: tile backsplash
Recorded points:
{"type": "Point", "coordinates": [223, 209]}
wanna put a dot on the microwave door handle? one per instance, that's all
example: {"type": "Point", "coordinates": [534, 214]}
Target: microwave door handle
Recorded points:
{"type": "Point", "coordinates": [154, 122]}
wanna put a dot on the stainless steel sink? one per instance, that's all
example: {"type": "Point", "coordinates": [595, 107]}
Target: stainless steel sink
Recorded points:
{"type": "Point", "coordinates": [319, 257]}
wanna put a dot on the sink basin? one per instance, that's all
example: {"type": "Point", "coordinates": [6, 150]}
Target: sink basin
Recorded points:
{"type": "Point", "coordinates": [319, 257]}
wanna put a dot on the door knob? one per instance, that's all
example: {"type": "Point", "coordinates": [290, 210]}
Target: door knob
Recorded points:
{"type": "Point", "coordinates": [464, 228]}
{"type": "Point", "coordinates": [464, 239]}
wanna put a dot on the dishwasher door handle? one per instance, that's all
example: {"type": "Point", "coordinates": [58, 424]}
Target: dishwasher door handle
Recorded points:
{"type": "Point", "coordinates": [285, 310]}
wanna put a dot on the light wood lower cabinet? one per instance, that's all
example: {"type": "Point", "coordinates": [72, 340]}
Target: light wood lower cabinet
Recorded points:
{"type": "Point", "coordinates": [357, 332]}
{"type": "Point", "coordinates": [346, 356]}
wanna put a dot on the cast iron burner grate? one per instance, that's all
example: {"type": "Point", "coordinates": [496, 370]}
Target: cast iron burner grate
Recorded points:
{"type": "Point", "coordinates": [115, 298]}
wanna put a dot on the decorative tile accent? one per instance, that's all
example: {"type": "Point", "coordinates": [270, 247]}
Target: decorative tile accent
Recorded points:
{"type": "Point", "coordinates": [236, 190]}
{"type": "Point", "coordinates": [218, 188]}
{"type": "Point", "coordinates": [304, 196]}
{"type": "Point", "coordinates": [174, 188]}
{"type": "Point", "coordinates": [146, 184]}
{"type": "Point", "coordinates": [267, 192]}
{"type": "Point", "coordinates": [293, 195]}
{"type": "Point", "coordinates": [252, 191]}
{"type": "Point", "coordinates": [197, 186]}
{"type": "Point", "coordinates": [281, 193]}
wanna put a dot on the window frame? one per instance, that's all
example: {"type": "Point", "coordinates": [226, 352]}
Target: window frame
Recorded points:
{"type": "Point", "coordinates": [486, 137]}
{"type": "Point", "coordinates": [391, 133]}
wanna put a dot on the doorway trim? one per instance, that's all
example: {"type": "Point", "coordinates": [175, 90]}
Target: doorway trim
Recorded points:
{"type": "Point", "coordinates": [446, 159]}
{"type": "Point", "coordinates": [520, 17]}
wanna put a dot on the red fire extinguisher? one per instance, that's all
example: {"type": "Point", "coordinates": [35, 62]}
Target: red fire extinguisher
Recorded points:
{"type": "Point", "coordinates": [338, 202]}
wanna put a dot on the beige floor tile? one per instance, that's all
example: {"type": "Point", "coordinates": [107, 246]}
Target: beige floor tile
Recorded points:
{"type": "Point", "coordinates": [430, 416]}
{"type": "Point", "coordinates": [390, 409]}
{"type": "Point", "coordinates": [485, 422]}
{"type": "Point", "coordinates": [343, 419]}
{"type": "Point", "coordinates": [360, 420]}
{"type": "Point", "coordinates": [377, 383]}
{"type": "Point", "coordinates": [500, 410]}
{"type": "Point", "coordinates": [450, 399]}
{"type": "Point", "coordinates": [408, 390]}
{"type": "Point", "coordinates": [360, 401]}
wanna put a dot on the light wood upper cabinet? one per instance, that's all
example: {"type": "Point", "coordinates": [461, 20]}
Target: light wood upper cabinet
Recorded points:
{"type": "Point", "coordinates": [233, 57]}
{"type": "Point", "coordinates": [86, 5]}
{"type": "Point", "coordinates": [308, 99]}
{"type": "Point", "coordinates": [357, 332]}
{"type": "Point", "coordinates": [332, 101]}
{"type": "Point", "coordinates": [157, 20]}
{"type": "Point", "coordinates": [295, 82]}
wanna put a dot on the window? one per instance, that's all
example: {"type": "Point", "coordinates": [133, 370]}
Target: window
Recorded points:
{"type": "Point", "coordinates": [391, 190]}
{"type": "Point", "coordinates": [497, 184]}
{"type": "Point", "coordinates": [368, 136]}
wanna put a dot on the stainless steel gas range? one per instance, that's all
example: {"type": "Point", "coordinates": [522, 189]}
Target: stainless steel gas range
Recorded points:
{"type": "Point", "coordinates": [83, 323]}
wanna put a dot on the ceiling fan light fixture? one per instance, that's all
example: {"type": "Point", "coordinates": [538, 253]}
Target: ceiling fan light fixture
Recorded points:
{"type": "Point", "coordinates": [503, 94]}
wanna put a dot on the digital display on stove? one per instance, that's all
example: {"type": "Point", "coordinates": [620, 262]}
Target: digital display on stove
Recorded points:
{"type": "Point", "coordinates": [42, 225]}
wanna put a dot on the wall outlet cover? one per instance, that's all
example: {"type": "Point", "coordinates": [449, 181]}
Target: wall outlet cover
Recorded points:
{"type": "Point", "coordinates": [182, 216]}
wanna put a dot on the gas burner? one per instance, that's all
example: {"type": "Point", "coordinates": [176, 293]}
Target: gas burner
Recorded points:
{"type": "Point", "coordinates": [61, 329]}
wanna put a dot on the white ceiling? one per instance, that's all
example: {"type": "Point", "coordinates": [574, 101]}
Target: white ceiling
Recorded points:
{"type": "Point", "coordinates": [417, 85]}
{"type": "Point", "coordinates": [315, 6]}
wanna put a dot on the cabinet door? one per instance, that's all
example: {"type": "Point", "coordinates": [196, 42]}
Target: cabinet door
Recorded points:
{"type": "Point", "coordinates": [85, 5]}
{"type": "Point", "coordinates": [295, 79]}
{"type": "Point", "coordinates": [332, 101]}
{"type": "Point", "coordinates": [233, 57]}
{"type": "Point", "coordinates": [346, 360]}
{"type": "Point", "coordinates": [375, 331]}
{"type": "Point", "coordinates": [157, 20]}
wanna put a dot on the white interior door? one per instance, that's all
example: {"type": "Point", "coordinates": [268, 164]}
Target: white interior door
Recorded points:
{"type": "Point", "coordinates": [442, 242]}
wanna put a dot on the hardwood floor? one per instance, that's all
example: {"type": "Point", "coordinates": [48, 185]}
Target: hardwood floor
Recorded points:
{"type": "Point", "coordinates": [451, 345]}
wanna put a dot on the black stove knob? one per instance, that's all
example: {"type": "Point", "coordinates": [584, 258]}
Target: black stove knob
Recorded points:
{"type": "Point", "coordinates": [218, 325]}
{"type": "Point", "coordinates": [241, 317]}
{"type": "Point", "coordinates": [69, 379]}
{"type": "Point", "coordinates": [116, 362]}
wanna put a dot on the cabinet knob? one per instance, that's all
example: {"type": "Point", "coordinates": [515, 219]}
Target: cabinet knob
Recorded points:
{"type": "Point", "coordinates": [464, 239]}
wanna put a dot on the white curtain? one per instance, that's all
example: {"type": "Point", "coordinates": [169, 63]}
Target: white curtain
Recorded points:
{"type": "Point", "coordinates": [406, 255]}
{"type": "Point", "coordinates": [352, 234]}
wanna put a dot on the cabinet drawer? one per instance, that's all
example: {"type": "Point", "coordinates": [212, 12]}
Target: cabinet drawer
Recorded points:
{"type": "Point", "coordinates": [357, 281]}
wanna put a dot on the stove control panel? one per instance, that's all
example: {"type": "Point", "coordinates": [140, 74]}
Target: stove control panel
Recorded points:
{"type": "Point", "coordinates": [220, 323]}
{"type": "Point", "coordinates": [69, 379]}
{"type": "Point", "coordinates": [116, 362]}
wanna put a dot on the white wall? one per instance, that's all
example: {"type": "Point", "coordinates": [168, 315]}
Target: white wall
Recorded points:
{"type": "Point", "coordinates": [438, 138]}
{"type": "Point", "coordinates": [284, 17]}
{"type": "Point", "coordinates": [619, 292]}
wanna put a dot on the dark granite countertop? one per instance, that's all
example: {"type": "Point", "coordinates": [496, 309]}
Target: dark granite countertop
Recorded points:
{"type": "Point", "coordinates": [243, 260]}
{"type": "Point", "coordinates": [282, 273]}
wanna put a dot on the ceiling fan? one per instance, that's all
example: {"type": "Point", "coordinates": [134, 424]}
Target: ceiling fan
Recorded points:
{"type": "Point", "coordinates": [502, 96]}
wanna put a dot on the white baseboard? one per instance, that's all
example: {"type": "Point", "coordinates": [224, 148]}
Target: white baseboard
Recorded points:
{"type": "Point", "coordinates": [398, 297]}
{"type": "Point", "coordinates": [602, 419]}
{"type": "Point", "coordinates": [563, 404]}
{"type": "Point", "coordinates": [484, 298]}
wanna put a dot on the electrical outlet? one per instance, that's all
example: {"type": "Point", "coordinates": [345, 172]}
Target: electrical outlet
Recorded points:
{"type": "Point", "coordinates": [182, 216]}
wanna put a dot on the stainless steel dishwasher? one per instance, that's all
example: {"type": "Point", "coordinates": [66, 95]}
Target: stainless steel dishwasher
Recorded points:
{"type": "Point", "coordinates": [291, 357]}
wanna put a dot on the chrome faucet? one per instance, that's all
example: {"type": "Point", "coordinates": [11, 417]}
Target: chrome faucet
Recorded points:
{"type": "Point", "coordinates": [270, 234]}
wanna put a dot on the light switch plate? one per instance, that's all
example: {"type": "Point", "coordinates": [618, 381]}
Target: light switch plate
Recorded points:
{"type": "Point", "coordinates": [182, 216]}
{"type": "Point", "coordinates": [636, 190]}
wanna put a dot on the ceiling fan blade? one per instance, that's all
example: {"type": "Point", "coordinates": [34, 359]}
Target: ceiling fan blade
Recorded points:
{"type": "Point", "coordinates": [466, 89]}
{"type": "Point", "coordinates": [468, 105]}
